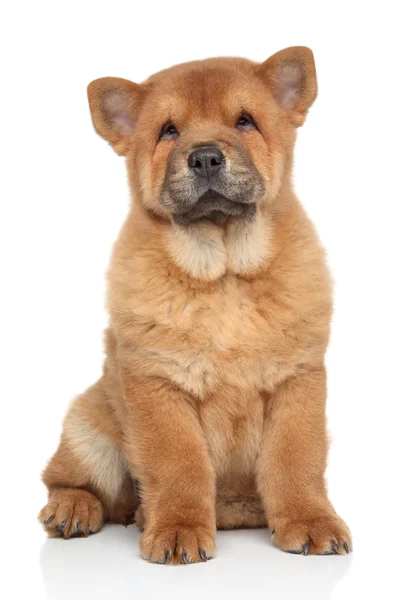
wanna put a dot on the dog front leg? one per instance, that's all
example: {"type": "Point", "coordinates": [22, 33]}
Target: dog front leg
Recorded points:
{"type": "Point", "coordinates": [167, 451]}
{"type": "Point", "coordinates": [291, 469]}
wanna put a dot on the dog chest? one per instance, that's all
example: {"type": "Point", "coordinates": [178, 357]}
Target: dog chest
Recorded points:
{"type": "Point", "coordinates": [200, 341]}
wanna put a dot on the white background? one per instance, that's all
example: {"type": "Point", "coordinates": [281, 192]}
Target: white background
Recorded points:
{"type": "Point", "coordinates": [63, 198]}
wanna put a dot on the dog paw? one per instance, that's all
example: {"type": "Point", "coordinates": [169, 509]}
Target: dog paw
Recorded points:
{"type": "Point", "coordinates": [177, 544]}
{"type": "Point", "coordinates": [321, 535]}
{"type": "Point", "coordinates": [71, 513]}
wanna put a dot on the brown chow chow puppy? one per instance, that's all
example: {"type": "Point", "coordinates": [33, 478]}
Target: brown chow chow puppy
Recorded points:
{"type": "Point", "coordinates": [211, 409]}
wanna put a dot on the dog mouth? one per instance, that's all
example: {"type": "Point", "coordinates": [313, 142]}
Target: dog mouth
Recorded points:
{"type": "Point", "coordinates": [214, 206]}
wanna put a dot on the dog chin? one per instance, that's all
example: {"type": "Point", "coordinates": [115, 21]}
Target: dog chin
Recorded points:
{"type": "Point", "coordinates": [215, 207]}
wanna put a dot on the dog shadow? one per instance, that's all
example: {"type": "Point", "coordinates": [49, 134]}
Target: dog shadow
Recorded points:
{"type": "Point", "coordinates": [108, 566]}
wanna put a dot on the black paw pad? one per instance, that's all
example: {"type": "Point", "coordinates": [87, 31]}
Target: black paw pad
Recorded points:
{"type": "Point", "coordinates": [78, 529]}
{"type": "Point", "coordinates": [165, 559]}
{"type": "Point", "coordinates": [60, 527]}
{"type": "Point", "coordinates": [184, 557]}
{"type": "Point", "coordinates": [306, 548]}
{"type": "Point", "coordinates": [203, 554]}
{"type": "Point", "coordinates": [334, 546]}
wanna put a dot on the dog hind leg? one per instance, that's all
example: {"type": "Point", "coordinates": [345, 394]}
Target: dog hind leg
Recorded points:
{"type": "Point", "coordinates": [88, 478]}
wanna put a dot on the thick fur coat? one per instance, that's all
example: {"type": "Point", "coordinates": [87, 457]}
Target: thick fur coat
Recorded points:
{"type": "Point", "coordinates": [211, 408]}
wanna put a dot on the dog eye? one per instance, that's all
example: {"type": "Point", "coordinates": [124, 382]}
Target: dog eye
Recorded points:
{"type": "Point", "coordinates": [168, 132]}
{"type": "Point", "coordinates": [246, 123]}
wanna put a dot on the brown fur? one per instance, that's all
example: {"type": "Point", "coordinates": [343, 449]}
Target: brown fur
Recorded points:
{"type": "Point", "coordinates": [214, 386]}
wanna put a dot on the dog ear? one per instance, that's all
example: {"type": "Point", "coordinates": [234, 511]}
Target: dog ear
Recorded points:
{"type": "Point", "coordinates": [114, 106]}
{"type": "Point", "coordinates": [290, 75]}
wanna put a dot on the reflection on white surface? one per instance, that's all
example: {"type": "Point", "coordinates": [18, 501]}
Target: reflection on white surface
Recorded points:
{"type": "Point", "coordinates": [108, 566]}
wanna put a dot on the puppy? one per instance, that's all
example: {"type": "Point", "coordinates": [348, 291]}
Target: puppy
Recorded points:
{"type": "Point", "coordinates": [210, 412]}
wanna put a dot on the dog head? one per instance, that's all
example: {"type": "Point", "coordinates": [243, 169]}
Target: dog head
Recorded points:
{"type": "Point", "coordinates": [207, 140]}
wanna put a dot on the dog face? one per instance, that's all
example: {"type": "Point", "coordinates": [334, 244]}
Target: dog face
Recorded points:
{"type": "Point", "coordinates": [207, 140]}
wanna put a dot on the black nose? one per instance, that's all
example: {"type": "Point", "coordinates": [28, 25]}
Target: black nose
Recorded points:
{"type": "Point", "coordinates": [206, 161]}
